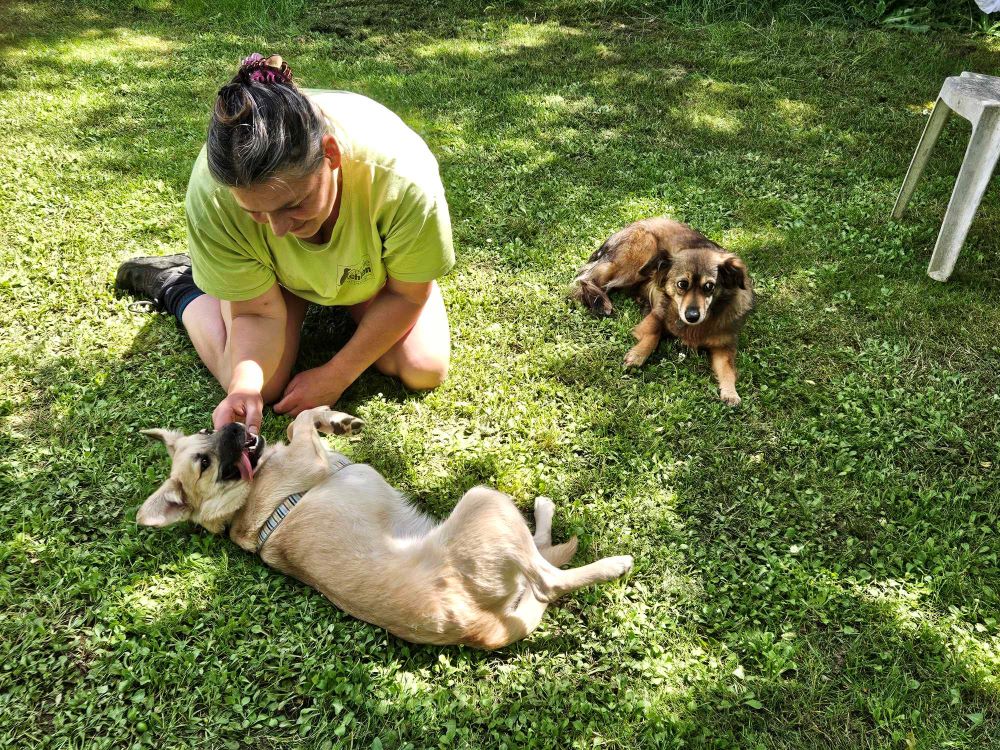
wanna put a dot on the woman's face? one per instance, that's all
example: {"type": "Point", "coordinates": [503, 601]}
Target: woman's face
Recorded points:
{"type": "Point", "coordinates": [295, 205]}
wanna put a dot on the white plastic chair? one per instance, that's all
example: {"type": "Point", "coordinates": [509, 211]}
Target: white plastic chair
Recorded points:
{"type": "Point", "coordinates": [975, 97]}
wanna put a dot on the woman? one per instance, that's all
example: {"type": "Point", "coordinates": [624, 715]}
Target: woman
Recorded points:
{"type": "Point", "coordinates": [324, 197]}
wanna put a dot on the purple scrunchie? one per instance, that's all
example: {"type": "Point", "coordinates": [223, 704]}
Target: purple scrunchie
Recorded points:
{"type": "Point", "coordinates": [258, 69]}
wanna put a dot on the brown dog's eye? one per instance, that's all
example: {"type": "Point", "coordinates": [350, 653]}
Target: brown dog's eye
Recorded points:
{"type": "Point", "coordinates": [708, 287]}
{"type": "Point", "coordinates": [682, 284]}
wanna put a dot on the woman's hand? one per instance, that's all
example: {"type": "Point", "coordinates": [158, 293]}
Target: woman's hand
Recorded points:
{"type": "Point", "coordinates": [244, 406]}
{"type": "Point", "coordinates": [319, 386]}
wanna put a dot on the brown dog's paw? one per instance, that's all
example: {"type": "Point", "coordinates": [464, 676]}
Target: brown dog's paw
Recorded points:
{"type": "Point", "coordinates": [635, 358]}
{"type": "Point", "coordinates": [732, 399]}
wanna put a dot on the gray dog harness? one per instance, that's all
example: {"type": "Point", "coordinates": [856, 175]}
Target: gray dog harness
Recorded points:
{"type": "Point", "coordinates": [273, 521]}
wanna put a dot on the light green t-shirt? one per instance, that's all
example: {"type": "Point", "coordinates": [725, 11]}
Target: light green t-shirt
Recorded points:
{"type": "Point", "coordinates": [393, 219]}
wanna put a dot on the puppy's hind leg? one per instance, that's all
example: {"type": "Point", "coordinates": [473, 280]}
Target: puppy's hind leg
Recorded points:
{"type": "Point", "coordinates": [544, 510]}
{"type": "Point", "coordinates": [549, 582]}
{"type": "Point", "coordinates": [559, 554]}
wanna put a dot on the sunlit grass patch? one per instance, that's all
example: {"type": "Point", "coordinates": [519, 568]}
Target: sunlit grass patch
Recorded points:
{"type": "Point", "coordinates": [816, 569]}
{"type": "Point", "coordinates": [188, 584]}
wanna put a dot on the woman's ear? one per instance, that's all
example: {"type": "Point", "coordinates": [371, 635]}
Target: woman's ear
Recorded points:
{"type": "Point", "coordinates": [331, 151]}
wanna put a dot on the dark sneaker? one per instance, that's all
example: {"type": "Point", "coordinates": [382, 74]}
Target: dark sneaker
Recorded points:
{"type": "Point", "coordinates": [147, 278]}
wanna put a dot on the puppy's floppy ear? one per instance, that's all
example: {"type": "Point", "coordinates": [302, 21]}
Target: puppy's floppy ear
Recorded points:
{"type": "Point", "coordinates": [659, 262]}
{"type": "Point", "coordinates": [168, 437]}
{"type": "Point", "coordinates": [164, 507]}
{"type": "Point", "coordinates": [732, 273]}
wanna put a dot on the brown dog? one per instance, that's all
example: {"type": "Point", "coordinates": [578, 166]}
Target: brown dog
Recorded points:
{"type": "Point", "coordinates": [480, 578]}
{"type": "Point", "coordinates": [692, 289]}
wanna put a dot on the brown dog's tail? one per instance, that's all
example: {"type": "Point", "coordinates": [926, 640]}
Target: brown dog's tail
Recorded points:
{"type": "Point", "coordinates": [584, 274]}
{"type": "Point", "coordinates": [589, 294]}
{"type": "Point", "coordinates": [584, 289]}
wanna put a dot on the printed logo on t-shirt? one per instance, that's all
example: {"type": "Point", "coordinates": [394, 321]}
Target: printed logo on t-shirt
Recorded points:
{"type": "Point", "coordinates": [355, 273]}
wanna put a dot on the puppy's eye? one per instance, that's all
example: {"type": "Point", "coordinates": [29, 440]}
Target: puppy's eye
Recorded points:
{"type": "Point", "coordinates": [206, 431]}
{"type": "Point", "coordinates": [708, 287]}
{"type": "Point", "coordinates": [205, 462]}
{"type": "Point", "coordinates": [682, 284]}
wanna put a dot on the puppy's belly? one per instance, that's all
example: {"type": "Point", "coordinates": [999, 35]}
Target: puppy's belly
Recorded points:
{"type": "Point", "coordinates": [396, 585]}
{"type": "Point", "coordinates": [370, 554]}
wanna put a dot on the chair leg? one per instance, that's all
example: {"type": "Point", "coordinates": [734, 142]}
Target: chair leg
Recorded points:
{"type": "Point", "coordinates": [974, 176]}
{"type": "Point", "coordinates": [939, 115]}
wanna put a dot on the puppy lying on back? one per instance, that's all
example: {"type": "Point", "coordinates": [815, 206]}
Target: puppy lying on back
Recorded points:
{"type": "Point", "coordinates": [480, 577]}
{"type": "Point", "coordinates": [691, 288]}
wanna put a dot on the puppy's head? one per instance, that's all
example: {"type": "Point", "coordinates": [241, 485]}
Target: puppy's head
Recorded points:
{"type": "Point", "coordinates": [694, 278]}
{"type": "Point", "coordinates": [209, 479]}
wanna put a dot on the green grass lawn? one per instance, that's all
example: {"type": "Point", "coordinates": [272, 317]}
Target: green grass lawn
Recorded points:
{"type": "Point", "coordinates": [817, 569]}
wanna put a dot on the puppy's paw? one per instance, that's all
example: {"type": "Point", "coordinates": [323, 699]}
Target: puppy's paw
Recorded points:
{"type": "Point", "coordinates": [635, 358]}
{"type": "Point", "coordinates": [544, 510]}
{"type": "Point", "coordinates": [618, 566]}
{"type": "Point", "coordinates": [544, 505]}
{"type": "Point", "coordinates": [337, 422]}
{"type": "Point", "coordinates": [732, 398]}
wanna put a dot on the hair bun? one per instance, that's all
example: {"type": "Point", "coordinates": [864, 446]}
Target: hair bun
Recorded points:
{"type": "Point", "coordinates": [262, 69]}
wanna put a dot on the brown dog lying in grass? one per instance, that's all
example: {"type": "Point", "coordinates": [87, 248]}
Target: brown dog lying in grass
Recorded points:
{"type": "Point", "coordinates": [690, 287]}
{"type": "Point", "coordinates": [479, 578]}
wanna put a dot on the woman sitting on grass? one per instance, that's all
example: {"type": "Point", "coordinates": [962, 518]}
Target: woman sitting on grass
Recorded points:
{"type": "Point", "coordinates": [324, 197]}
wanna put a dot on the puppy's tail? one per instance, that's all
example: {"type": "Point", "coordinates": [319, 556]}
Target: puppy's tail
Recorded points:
{"type": "Point", "coordinates": [560, 554]}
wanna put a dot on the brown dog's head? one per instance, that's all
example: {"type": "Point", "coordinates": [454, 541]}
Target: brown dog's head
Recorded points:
{"type": "Point", "coordinates": [696, 277]}
{"type": "Point", "coordinates": [209, 478]}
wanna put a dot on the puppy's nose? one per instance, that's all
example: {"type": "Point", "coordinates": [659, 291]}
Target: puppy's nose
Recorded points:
{"type": "Point", "coordinates": [692, 314]}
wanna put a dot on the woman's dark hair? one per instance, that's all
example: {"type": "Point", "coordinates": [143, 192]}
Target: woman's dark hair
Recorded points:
{"type": "Point", "coordinates": [263, 126]}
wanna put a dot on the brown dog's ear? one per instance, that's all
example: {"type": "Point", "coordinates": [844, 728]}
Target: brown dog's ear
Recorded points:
{"type": "Point", "coordinates": [168, 437]}
{"type": "Point", "coordinates": [164, 507]}
{"type": "Point", "coordinates": [732, 273]}
{"type": "Point", "coordinates": [659, 262]}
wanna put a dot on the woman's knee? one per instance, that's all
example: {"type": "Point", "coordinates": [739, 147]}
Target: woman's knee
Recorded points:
{"type": "Point", "coordinates": [422, 373]}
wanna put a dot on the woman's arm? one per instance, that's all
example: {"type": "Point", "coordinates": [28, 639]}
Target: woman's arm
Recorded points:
{"type": "Point", "coordinates": [391, 314]}
{"type": "Point", "coordinates": [254, 349]}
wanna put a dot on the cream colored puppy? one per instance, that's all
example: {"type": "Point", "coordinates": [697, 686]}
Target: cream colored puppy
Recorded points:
{"type": "Point", "coordinates": [479, 578]}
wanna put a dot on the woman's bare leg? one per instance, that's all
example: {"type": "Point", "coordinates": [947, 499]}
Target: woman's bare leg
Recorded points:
{"type": "Point", "coordinates": [208, 321]}
{"type": "Point", "coordinates": [420, 358]}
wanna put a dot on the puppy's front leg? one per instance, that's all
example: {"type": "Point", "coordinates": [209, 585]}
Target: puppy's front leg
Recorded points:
{"type": "Point", "coordinates": [325, 420]}
{"type": "Point", "coordinates": [724, 366]}
{"type": "Point", "coordinates": [648, 333]}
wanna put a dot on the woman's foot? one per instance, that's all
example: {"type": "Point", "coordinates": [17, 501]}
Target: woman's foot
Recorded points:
{"type": "Point", "coordinates": [152, 277]}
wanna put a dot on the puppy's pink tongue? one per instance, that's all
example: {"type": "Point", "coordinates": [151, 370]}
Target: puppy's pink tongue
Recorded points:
{"type": "Point", "coordinates": [246, 468]}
